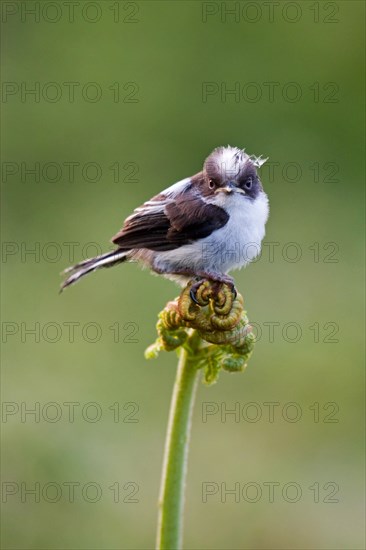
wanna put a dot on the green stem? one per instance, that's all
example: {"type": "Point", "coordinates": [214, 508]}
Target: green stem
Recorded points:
{"type": "Point", "coordinates": [171, 500]}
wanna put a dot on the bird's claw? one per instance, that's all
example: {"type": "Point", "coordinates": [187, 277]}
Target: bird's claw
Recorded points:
{"type": "Point", "coordinates": [192, 294]}
{"type": "Point", "coordinates": [197, 291]}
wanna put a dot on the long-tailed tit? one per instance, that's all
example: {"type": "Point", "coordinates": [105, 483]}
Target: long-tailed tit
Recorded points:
{"type": "Point", "coordinates": [201, 227]}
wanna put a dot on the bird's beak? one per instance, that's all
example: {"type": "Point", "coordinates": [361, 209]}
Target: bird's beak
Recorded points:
{"type": "Point", "coordinates": [227, 190]}
{"type": "Point", "coordinates": [230, 188]}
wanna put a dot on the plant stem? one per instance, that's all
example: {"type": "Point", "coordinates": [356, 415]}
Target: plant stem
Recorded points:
{"type": "Point", "coordinates": [171, 499]}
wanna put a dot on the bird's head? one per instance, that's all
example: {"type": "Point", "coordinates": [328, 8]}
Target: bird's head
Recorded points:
{"type": "Point", "coordinates": [230, 171]}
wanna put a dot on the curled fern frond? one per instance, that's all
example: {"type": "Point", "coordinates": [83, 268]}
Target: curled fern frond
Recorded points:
{"type": "Point", "coordinates": [217, 316]}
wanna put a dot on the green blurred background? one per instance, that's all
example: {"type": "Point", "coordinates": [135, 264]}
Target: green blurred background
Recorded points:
{"type": "Point", "coordinates": [169, 50]}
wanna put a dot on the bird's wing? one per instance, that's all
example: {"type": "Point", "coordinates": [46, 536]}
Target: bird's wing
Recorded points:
{"type": "Point", "coordinates": [172, 219]}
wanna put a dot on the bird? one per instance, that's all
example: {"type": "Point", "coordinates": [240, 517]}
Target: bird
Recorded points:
{"type": "Point", "coordinates": [200, 228]}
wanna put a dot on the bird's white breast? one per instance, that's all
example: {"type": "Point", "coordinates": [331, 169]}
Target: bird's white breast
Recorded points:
{"type": "Point", "coordinates": [239, 241]}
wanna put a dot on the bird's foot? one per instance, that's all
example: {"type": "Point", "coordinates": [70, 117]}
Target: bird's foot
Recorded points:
{"type": "Point", "coordinates": [209, 284]}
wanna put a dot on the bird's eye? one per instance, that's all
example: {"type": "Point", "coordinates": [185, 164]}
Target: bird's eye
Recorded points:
{"type": "Point", "coordinates": [211, 183]}
{"type": "Point", "coordinates": [248, 183]}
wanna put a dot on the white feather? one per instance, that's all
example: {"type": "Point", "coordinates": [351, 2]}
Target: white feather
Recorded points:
{"type": "Point", "coordinates": [149, 207]}
{"type": "Point", "coordinates": [230, 160]}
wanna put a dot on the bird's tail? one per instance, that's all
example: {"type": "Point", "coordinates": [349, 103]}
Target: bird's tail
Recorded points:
{"type": "Point", "coordinates": [87, 266]}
